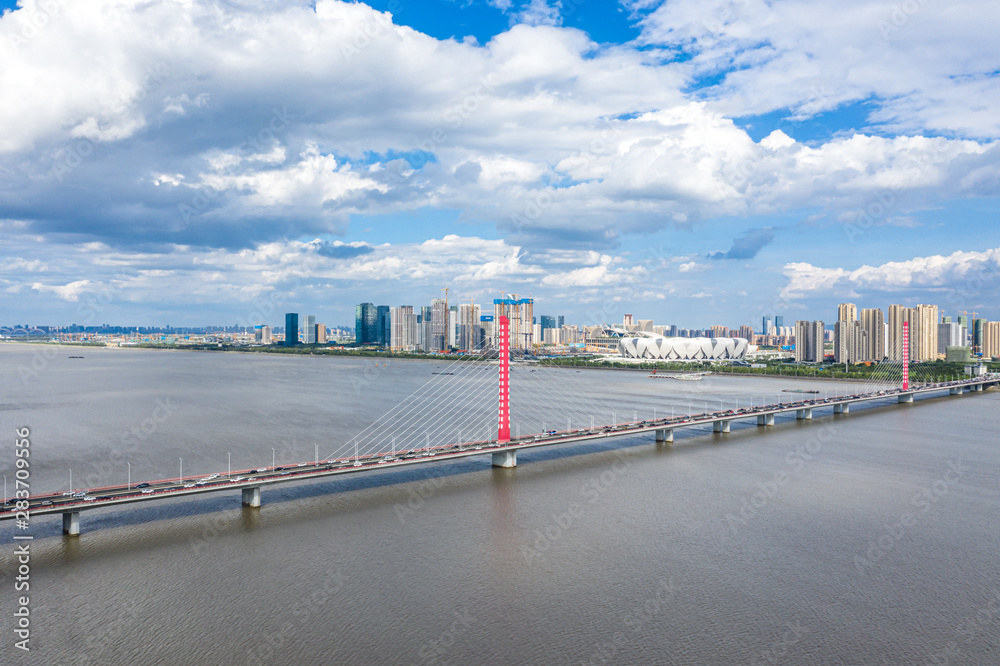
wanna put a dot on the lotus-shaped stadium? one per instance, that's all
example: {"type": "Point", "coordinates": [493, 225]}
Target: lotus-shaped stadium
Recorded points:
{"type": "Point", "coordinates": [639, 344]}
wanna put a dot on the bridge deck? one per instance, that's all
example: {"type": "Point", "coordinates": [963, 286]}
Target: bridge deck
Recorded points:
{"type": "Point", "coordinates": [94, 498]}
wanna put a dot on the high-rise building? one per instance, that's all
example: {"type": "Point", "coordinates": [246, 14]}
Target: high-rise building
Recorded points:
{"type": "Point", "coordinates": [627, 321]}
{"type": "Point", "coordinates": [927, 331]}
{"type": "Point", "coordinates": [258, 333]}
{"type": "Point", "coordinates": [548, 322]}
{"type": "Point", "coordinates": [439, 325]}
{"type": "Point", "coordinates": [486, 322]}
{"type": "Point", "coordinates": [426, 327]}
{"type": "Point", "coordinates": [779, 322]}
{"type": "Point", "coordinates": [452, 326]}
{"type": "Point", "coordinates": [404, 336]}
{"type": "Point", "coordinates": [519, 312]}
{"type": "Point", "coordinates": [898, 315]}
{"type": "Point", "coordinates": [850, 341]}
{"type": "Point", "coordinates": [746, 332]}
{"type": "Point", "coordinates": [720, 332]}
{"type": "Point", "coordinates": [873, 323]}
{"type": "Point", "coordinates": [469, 328]}
{"type": "Point", "coordinates": [847, 312]}
{"type": "Point", "coordinates": [978, 336]}
{"type": "Point", "coordinates": [765, 326]}
{"type": "Point", "coordinates": [570, 335]}
{"type": "Point", "coordinates": [366, 324]}
{"type": "Point", "coordinates": [266, 336]}
{"type": "Point", "coordinates": [384, 326]}
{"type": "Point", "coordinates": [949, 335]}
{"type": "Point", "coordinates": [309, 329]}
{"type": "Point", "coordinates": [991, 339]}
{"type": "Point", "coordinates": [809, 341]}
{"type": "Point", "coordinates": [291, 329]}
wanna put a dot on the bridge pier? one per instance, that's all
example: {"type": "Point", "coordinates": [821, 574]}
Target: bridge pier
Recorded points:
{"type": "Point", "coordinates": [71, 523]}
{"type": "Point", "coordinates": [905, 397]}
{"type": "Point", "coordinates": [842, 408]}
{"type": "Point", "coordinates": [804, 414]}
{"type": "Point", "coordinates": [665, 435]}
{"type": "Point", "coordinates": [765, 419]}
{"type": "Point", "coordinates": [506, 459]}
{"type": "Point", "coordinates": [251, 496]}
{"type": "Point", "coordinates": [720, 426]}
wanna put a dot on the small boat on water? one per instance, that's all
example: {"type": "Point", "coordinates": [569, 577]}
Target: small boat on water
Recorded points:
{"type": "Point", "coordinates": [689, 377]}
{"type": "Point", "coordinates": [797, 391]}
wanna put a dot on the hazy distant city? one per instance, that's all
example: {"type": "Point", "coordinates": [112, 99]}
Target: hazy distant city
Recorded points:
{"type": "Point", "coordinates": [865, 336]}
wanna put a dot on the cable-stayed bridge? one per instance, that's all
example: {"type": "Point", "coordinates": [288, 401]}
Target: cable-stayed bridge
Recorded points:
{"type": "Point", "coordinates": [486, 406]}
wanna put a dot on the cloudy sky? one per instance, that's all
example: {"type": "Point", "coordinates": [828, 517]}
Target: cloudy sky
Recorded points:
{"type": "Point", "coordinates": [697, 162]}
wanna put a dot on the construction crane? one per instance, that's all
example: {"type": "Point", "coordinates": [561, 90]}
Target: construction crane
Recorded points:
{"type": "Point", "coordinates": [972, 329]}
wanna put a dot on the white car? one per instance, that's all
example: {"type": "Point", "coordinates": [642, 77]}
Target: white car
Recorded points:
{"type": "Point", "coordinates": [189, 485]}
{"type": "Point", "coordinates": [238, 478]}
{"type": "Point", "coordinates": [146, 491]}
{"type": "Point", "coordinates": [89, 499]}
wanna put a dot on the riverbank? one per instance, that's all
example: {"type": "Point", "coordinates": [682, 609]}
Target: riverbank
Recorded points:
{"type": "Point", "coordinates": [933, 371]}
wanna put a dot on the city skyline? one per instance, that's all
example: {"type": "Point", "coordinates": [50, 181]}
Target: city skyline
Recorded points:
{"type": "Point", "coordinates": [177, 189]}
{"type": "Point", "coordinates": [831, 312]}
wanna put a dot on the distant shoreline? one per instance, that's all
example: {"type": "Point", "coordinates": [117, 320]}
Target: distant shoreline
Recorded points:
{"type": "Point", "coordinates": [326, 352]}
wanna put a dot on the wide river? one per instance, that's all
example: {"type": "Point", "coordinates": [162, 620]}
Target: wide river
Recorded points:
{"type": "Point", "coordinates": [868, 538]}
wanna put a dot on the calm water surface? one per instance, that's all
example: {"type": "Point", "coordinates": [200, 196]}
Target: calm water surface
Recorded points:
{"type": "Point", "coordinates": [870, 538]}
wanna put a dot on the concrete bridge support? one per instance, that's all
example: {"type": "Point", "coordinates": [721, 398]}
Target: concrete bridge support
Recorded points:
{"type": "Point", "coordinates": [666, 435]}
{"type": "Point", "coordinates": [905, 397]}
{"type": "Point", "coordinates": [804, 414]}
{"type": "Point", "coordinates": [71, 523]}
{"type": "Point", "coordinates": [765, 419]}
{"type": "Point", "coordinates": [842, 408]}
{"type": "Point", "coordinates": [251, 496]}
{"type": "Point", "coordinates": [720, 426]}
{"type": "Point", "coordinates": [505, 459]}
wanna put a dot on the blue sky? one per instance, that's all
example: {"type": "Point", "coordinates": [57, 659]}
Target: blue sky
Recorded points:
{"type": "Point", "coordinates": [693, 162]}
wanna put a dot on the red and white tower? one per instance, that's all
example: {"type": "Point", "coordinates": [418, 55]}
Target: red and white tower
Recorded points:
{"type": "Point", "coordinates": [906, 355]}
{"type": "Point", "coordinates": [503, 337]}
